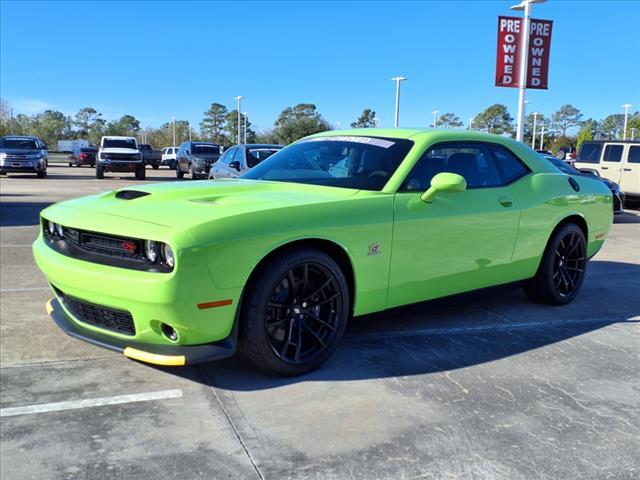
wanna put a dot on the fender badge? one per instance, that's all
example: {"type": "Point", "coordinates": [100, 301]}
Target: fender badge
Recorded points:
{"type": "Point", "coordinates": [374, 249]}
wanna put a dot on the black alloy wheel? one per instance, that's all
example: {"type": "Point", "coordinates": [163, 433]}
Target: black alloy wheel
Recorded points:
{"type": "Point", "coordinates": [569, 264]}
{"type": "Point", "coordinates": [302, 314]}
{"type": "Point", "coordinates": [295, 313]}
{"type": "Point", "coordinates": [562, 269]}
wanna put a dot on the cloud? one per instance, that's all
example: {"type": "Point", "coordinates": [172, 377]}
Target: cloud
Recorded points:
{"type": "Point", "coordinates": [30, 106]}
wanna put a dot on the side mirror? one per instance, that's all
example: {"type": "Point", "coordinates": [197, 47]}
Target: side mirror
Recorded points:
{"type": "Point", "coordinates": [444, 182]}
{"type": "Point", "coordinates": [235, 164]}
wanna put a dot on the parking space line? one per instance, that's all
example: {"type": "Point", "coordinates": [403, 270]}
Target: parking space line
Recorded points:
{"type": "Point", "coordinates": [26, 289]}
{"type": "Point", "coordinates": [89, 402]}
{"type": "Point", "coordinates": [488, 328]}
{"type": "Point", "coordinates": [9, 245]}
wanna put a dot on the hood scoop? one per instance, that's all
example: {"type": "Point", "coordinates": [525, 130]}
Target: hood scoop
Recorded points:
{"type": "Point", "coordinates": [131, 194]}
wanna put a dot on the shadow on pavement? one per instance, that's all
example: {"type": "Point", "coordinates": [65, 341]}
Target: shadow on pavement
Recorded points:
{"type": "Point", "coordinates": [449, 334]}
{"type": "Point", "coordinates": [21, 214]}
{"type": "Point", "coordinates": [627, 217]}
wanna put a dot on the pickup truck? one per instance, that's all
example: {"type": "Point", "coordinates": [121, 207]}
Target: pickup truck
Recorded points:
{"type": "Point", "coordinates": [150, 156]}
{"type": "Point", "coordinates": [119, 154]}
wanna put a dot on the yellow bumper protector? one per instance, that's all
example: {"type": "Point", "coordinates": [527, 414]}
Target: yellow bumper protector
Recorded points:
{"type": "Point", "coordinates": [167, 360]}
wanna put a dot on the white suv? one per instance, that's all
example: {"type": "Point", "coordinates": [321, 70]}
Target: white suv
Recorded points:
{"type": "Point", "coordinates": [119, 154]}
{"type": "Point", "coordinates": [169, 157]}
{"type": "Point", "coordinates": [615, 160]}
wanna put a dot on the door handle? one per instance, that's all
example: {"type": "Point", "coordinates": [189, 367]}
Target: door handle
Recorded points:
{"type": "Point", "coordinates": [505, 201]}
{"type": "Point", "coordinates": [627, 169]}
{"type": "Point", "coordinates": [605, 168]}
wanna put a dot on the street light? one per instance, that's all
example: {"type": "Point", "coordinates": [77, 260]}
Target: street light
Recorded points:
{"type": "Point", "coordinates": [189, 125]}
{"type": "Point", "coordinates": [435, 117]}
{"type": "Point", "coordinates": [542, 138]}
{"type": "Point", "coordinates": [173, 122]}
{"type": "Point", "coordinates": [244, 114]}
{"type": "Point", "coordinates": [533, 135]}
{"type": "Point", "coordinates": [397, 80]}
{"type": "Point", "coordinates": [239, 99]}
{"type": "Point", "coordinates": [471, 124]}
{"type": "Point", "coordinates": [524, 62]}
{"type": "Point", "coordinates": [626, 107]}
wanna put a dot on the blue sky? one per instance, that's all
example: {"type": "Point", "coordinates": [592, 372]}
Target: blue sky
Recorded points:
{"type": "Point", "coordinates": [158, 59]}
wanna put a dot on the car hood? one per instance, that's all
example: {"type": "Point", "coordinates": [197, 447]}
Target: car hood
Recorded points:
{"type": "Point", "coordinates": [182, 205]}
{"type": "Point", "coordinates": [119, 150]}
{"type": "Point", "coordinates": [18, 151]}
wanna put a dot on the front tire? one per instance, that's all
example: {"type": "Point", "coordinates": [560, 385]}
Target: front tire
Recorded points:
{"type": "Point", "coordinates": [99, 171]}
{"type": "Point", "coordinates": [141, 173]}
{"type": "Point", "coordinates": [179, 173]}
{"type": "Point", "coordinates": [562, 269]}
{"type": "Point", "coordinates": [294, 314]}
{"type": "Point", "coordinates": [42, 174]}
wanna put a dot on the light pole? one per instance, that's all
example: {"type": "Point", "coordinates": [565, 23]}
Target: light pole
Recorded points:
{"type": "Point", "coordinates": [435, 117]}
{"type": "Point", "coordinates": [626, 107]}
{"type": "Point", "coordinates": [189, 125]}
{"type": "Point", "coordinates": [239, 99]}
{"type": "Point", "coordinates": [633, 133]}
{"type": "Point", "coordinates": [542, 138]}
{"type": "Point", "coordinates": [533, 135]}
{"type": "Point", "coordinates": [244, 114]}
{"type": "Point", "coordinates": [397, 80]}
{"type": "Point", "coordinates": [471, 124]}
{"type": "Point", "coordinates": [524, 61]}
{"type": "Point", "coordinates": [173, 122]}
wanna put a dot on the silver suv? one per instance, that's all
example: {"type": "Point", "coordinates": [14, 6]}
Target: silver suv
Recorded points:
{"type": "Point", "coordinates": [20, 154]}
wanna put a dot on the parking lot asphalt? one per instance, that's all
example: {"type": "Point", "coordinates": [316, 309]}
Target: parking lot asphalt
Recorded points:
{"type": "Point", "coordinates": [484, 385]}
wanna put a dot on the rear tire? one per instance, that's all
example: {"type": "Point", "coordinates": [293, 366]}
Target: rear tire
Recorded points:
{"type": "Point", "coordinates": [294, 313]}
{"type": "Point", "coordinates": [99, 171]}
{"type": "Point", "coordinates": [155, 167]}
{"type": "Point", "coordinates": [562, 269]}
{"type": "Point", "coordinates": [141, 173]}
{"type": "Point", "coordinates": [179, 173]}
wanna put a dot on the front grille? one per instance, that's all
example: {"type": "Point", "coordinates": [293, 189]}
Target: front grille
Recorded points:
{"type": "Point", "coordinates": [118, 247]}
{"type": "Point", "coordinates": [108, 318]}
{"type": "Point", "coordinates": [127, 157]}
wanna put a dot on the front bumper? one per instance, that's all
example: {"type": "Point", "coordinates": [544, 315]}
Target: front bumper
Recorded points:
{"type": "Point", "coordinates": [121, 166]}
{"type": "Point", "coordinates": [24, 166]}
{"type": "Point", "coordinates": [168, 355]}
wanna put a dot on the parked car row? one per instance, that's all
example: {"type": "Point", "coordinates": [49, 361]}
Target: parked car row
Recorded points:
{"type": "Point", "coordinates": [21, 154]}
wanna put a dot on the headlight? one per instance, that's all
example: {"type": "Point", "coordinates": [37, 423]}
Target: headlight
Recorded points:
{"type": "Point", "coordinates": [167, 254]}
{"type": "Point", "coordinates": [3, 155]}
{"type": "Point", "coordinates": [151, 250]}
{"type": "Point", "coordinates": [59, 230]}
{"type": "Point", "coordinates": [51, 227]}
{"type": "Point", "coordinates": [34, 155]}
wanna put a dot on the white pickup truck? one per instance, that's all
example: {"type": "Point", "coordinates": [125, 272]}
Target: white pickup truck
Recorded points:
{"type": "Point", "coordinates": [119, 154]}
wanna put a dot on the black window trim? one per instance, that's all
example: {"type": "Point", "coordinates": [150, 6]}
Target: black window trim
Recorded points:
{"type": "Point", "coordinates": [487, 145]}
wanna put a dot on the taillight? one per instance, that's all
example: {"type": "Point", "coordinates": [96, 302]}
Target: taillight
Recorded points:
{"type": "Point", "coordinates": [83, 156]}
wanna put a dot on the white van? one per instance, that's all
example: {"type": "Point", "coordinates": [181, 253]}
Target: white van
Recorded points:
{"type": "Point", "coordinates": [615, 160]}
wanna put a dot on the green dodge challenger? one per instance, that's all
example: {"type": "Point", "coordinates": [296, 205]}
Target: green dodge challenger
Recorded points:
{"type": "Point", "coordinates": [336, 224]}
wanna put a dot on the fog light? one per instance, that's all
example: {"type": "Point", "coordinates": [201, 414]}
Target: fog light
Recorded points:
{"type": "Point", "coordinates": [59, 230]}
{"type": "Point", "coordinates": [169, 332]}
{"type": "Point", "coordinates": [167, 253]}
{"type": "Point", "coordinates": [151, 250]}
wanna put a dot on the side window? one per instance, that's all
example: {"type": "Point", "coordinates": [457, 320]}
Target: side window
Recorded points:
{"type": "Point", "coordinates": [511, 166]}
{"type": "Point", "coordinates": [634, 155]}
{"type": "Point", "coordinates": [613, 153]}
{"type": "Point", "coordinates": [589, 153]}
{"type": "Point", "coordinates": [238, 156]}
{"type": "Point", "coordinates": [228, 155]}
{"type": "Point", "coordinates": [471, 160]}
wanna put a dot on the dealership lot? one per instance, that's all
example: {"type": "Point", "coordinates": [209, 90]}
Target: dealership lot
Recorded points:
{"type": "Point", "coordinates": [480, 386]}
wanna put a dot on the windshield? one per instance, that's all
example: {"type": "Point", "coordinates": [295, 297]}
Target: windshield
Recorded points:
{"type": "Point", "coordinates": [364, 163]}
{"type": "Point", "coordinates": [563, 166]}
{"type": "Point", "coordinates": [18, 143]}
{"type": "Point", "coordinates": [206, 149]}
{"type": "Point", "coordinates": [119, 143]}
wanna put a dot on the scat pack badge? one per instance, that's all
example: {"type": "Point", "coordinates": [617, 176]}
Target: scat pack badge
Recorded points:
{"type": "Point", "coordinates": [374, 249]}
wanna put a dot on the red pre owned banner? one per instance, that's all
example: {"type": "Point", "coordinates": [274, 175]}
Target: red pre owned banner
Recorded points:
{"type": "Point", "coordinates": [508, 54]}
{"type": "Point", "coordinates": [539, 47]}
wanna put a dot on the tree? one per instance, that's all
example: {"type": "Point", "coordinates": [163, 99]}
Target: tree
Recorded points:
{"type": "Point", "coordinates": [232, 129]}
{"type": "Point", "coordinates": [127, 126]}
{"type": "Point", "coordinates": [84, 120]}
{"type": "Point", "coordinates": [588, 131]}
{"type": "Point", "coordinates": [52, 126]}
{"type": "Point", "coordinates": [213, 124]}
{"type": "Point", "coordinates": [566, 117]}
{"type": "Point", "coordinates": [633, 126]}
{"type": "Point", "coordinates": [448, 120]}
{"type": "Point", "coordinates": [5, 117]}
{"type": "Point", "coordinates": [299, 121]}
{"type": "Point", "coordinates": [613, 125]}
{"type": "Point", "coordinates": [366, 120]}
{"type": "Point", "coordinates": [495, 119]}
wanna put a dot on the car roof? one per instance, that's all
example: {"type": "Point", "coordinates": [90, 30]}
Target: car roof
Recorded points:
{"type": "Point", "coordinates": [119, 137]}
{"type": "Point", "coordinates": [21, 137]}
{"type": "Point", "coordinates": [611, 141]}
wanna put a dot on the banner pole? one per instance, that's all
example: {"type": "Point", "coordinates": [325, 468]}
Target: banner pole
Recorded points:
{"type": "Point", "coordinates": [524, 62]}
